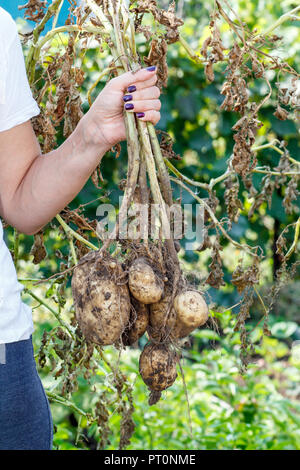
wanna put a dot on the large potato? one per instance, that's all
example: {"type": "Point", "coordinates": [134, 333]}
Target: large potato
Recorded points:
{"type": "Point", "coordinates": [158, 366]}
{"type": "Point", "coordinates": [101, 299]}
{"type": "Point", "coordinates": [144, 284]}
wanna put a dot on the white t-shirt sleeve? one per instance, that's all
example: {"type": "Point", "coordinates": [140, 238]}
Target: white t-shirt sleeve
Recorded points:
{"type": "Point", "coordinates": [16, 102]}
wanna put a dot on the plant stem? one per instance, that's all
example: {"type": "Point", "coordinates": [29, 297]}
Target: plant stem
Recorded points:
{"type": "Point", "coordinates": [133, 147]}
{"type": "Point", "coordinates": [183, 177]}
{"type": "Point", "coordinates": [57, 14]}
{"type": "Point", "coordinates": [31, 57]}
{"type": "Point", "coordinates": [162, 171]}
{"type": "Point", "coordinates": [273, 146]}
{"type": "Point", "coordinates": [72, 248]}
{"type": "Point", "coordinates": [189, 50]}
{"type": "Point", "coordinates": [90, 90]}
{"type": "Point", "coordinates": [295, 241]}
{"type": "Point", "coordinates": [62, 401]}
{"type": "Point", "coordinates": [76, 235]}
{"type": "Point", "coordinates": [55, 313]}
{"type": "Point", "coordinates": [287, 16]}
{"type": "Point", "coordinates": [248, 249]}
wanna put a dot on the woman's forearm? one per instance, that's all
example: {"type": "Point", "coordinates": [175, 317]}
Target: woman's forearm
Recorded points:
{"type": "Point", "coordinates": [52, 181]}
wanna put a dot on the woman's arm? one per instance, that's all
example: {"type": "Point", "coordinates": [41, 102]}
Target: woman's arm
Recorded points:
{"type": "Point", "coordinates": [35, 187]}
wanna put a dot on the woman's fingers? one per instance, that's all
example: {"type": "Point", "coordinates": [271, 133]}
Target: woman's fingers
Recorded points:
{"type": "Point", "coordinates": [128, 79]}
{"type": "Point", "coordinates": [150, 93]}
{"type": "Point", "coordinates": [152, 116]}
{"type": "Point", "coordinates": [135, 86]}
{"type": "Point", "coordinates": [140, 93]}
{"type": "Point", "coordinates": [142, 106]}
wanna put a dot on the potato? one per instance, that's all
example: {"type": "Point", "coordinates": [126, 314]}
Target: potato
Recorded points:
{"type": "Point", "coordinates": [181, 331]}
{"type": "Point", "coordinates": [102, 302]}
{"type": "Point", "coordinates": [144, 284]}
{"type": "Point", "coordinates": [158, 366]}
{"type": "Point", "coordinates": [138, 323]}
{"type": "Point", "coordinates": [192, 312]}
{"type": "Point", "coordinates": [160, 326]}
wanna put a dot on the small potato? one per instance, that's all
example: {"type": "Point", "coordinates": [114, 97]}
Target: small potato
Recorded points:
{"type": "Point", "coordinates": [191, 309]}
{"type": "Point", "coordinates": [162, 322]}
{"type": "Point", "coordinates": [138, 323]}
{"type": "Point", "coordinates": [158, 366]}
{"type": "Point", "coordinates": [144, 284]}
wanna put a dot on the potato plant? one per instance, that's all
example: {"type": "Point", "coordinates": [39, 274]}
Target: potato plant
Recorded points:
{"type": "Point", "coordinates": [124, 289]}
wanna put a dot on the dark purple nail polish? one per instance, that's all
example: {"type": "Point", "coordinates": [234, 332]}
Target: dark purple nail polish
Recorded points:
{"type": "Point", "coordinates": [131, 88]}
{"type": "Point", "coordinates": [140, 115]}
{"type": "Point", "coordinates": [129, 106]}
{"type": "Point", "coordinates": [127, 98]}
{"type": "Point", "coordinates": [152, 68]}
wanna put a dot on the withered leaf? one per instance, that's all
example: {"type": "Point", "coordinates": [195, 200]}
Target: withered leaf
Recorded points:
{"type": "Point", "coordinates": [38, 249]}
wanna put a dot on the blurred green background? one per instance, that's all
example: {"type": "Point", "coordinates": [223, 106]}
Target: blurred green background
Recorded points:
{"type": "Point", "coordinates": [259, 410]}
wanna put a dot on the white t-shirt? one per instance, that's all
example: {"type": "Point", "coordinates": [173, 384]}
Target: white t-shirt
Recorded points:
{"type": "Point", "coordinates": [16, 107]}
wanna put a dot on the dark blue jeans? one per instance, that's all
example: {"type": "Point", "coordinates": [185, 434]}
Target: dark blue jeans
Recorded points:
{"type": "Point", "coordinates": [25, 417]}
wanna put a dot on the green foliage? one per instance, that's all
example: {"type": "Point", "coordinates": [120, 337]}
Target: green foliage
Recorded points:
{"type": "Point", "coordinates": [258, 410]}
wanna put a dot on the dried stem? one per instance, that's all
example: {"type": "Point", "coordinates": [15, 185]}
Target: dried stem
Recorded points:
{"type": "Point", "coordinates": [290, 15]}
{"type": "Point", "coordinates": [248, 249]}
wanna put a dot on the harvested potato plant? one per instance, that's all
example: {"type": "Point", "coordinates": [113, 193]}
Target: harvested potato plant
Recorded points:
{"type": "Point", "coordinates": [129, 292]}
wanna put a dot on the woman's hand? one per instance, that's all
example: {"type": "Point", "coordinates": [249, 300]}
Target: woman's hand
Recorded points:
{"type": "Point", "coordinates": [136, 92]}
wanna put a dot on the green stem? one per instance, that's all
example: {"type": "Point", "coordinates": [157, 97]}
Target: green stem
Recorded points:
{"type": "Point", "coordinates": [62, 401]}
{"type": "Point", "coordinates": [189, 50]}
{"type": "Point", "coordinates": [183, 177]}
{"type": "Point", "coordinates": [90, 90]}
{"type": "Point", "coordinates": [261, 300]}
{"type": "Point", "coordinates": [70, 231]}
{"type": "Point", "coordinates": [30, 62]}
{"type": "Point", "coordinates": [55, 313]}
{"type": "Point", "coordinates": [295, 241]}
{"type": "Point", "coordinates": [57, 14]}
{"type": "Point", "coordinates": [273, 146]}
{"type": "Point", "coordinates": [72, 248]}
{"type": "Point", "coordinates": [287, 16]}
{"type": "Point", "coordinates": [133, 148]}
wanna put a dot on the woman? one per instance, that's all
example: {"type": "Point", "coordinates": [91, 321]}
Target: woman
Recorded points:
{"type": "Point", "coordinates": [33, 188]}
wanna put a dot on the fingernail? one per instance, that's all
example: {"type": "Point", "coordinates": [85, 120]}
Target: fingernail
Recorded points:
{"type": "Point", "coordinates": [129, 106]}
{"type": "Point", "coordinates": [140, 115]}
{"type": "Point", "coordinates": [127, 98]}
{"type": "Point", "coordinates": [151, 69]}
{"type": "Point", "coordinates": [131, 88]}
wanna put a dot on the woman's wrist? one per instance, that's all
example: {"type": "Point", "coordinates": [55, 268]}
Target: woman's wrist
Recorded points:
{"type": "Point", "coordinates": [87, 144]}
